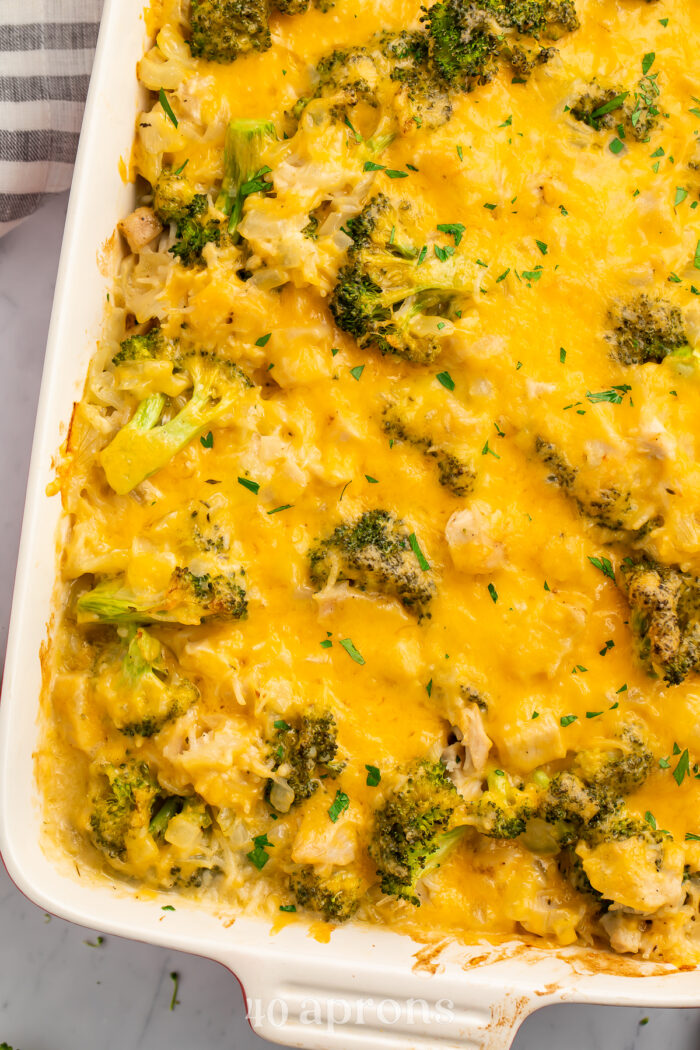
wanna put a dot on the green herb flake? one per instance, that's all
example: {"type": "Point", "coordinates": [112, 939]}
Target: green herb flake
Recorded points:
{"type": "Point", "coordinates": [566, 720]}
{"type": "Point", "coordinates": [690, 837]}
{"type": "Point", "coordinates": [167, 108]}
{"type": "Point", "coordinates": [613, 396]}
{"type": "Point", "coordinates": [252, 486]}
{"type": "Point", "coordinates": [207, 440]}
{"type": "Point", "coordinates": [339, 804]}
{"type": "Point", "coordinates": [593, 714]}
{"type": "Point", "coordinates": [263, 340]}
{"type": "Point", "coordinates": [696, 257]}
{"type": "Point", "coordinates": [562, 355]}
{"type": "Point", "coordinates": [373, 776]}
{"type": "Point", "coordinates": [663, 22]}
{"type": "Point", "coordinates": [371, 166]}
{"type": "Point", "coordinates": [350, 649]}
{"type": "Point", "coordinates": [454, 229]}
{"type": "Point", "coordinates": [503, 276]}
{"type": "Point", "coordinates": [459, 152]}
{"type": "Point", "coordinates": [326, 643]}
{"type": "Point", "coordinates": [616, 146]}
{"type": "Point", "coordinates": [493, 592]}
{"type": "Point", "coordinates": [650, 819]}
{"type": "Point", "coordinates": [486, 451]}
{"type": "Point", "coordinates": [429, 688]}
{"type": "Point", "coordinates": [167, 907]}
{"type": "Point", "coordinates": [446, 379]}
{"type": "Point", "coordinates": [682, 770]}
{"type": "Point", "coordinates": [542, 246]}
{"type": "Point", "coordinates": [288, 907]}
{"type": "Point", "coordinates": [258, 855]}
{"type": "Point", "coordinates": [681, 194]}
{"type": "Point", "coordinates": [393, 174]}
{"type": "Point", "coordinates": [664, 763]}
{"type": "Point", "coordinates": [491, 207]}
{"type": "Point", "coordinates": [535, 714]}
{"type": "Point", "coordinates": [415, 547]}
{"type": "Point", "coordinates": [648, 61]}
{"type": "Point", "coordinates": [277, 510]}
{"type": "Point", "coordinates": [356, 372]}
{"type": "Point", "coordinates": [603, 565]}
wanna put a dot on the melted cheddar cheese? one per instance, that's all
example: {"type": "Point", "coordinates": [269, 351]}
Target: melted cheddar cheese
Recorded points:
{"type": "Point", "coordinates": [574, 467]}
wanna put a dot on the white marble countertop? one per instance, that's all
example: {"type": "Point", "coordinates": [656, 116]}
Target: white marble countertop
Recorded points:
{"type": "Point", "coordinates": [57, 992]}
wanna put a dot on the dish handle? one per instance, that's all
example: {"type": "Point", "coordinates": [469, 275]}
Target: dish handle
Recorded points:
{"type": "Point", "coordinates": [296, 1010]}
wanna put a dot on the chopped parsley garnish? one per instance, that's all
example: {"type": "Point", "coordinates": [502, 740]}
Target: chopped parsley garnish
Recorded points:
{"type": "Point", "coordinates": [503, 276]}
{"type": "Point", "coordinates": [682, 770]}
{"type": "Point", "coordinates": [446, 379]}
{"type": "Point", "coordinates": [326, 643]}
{"type": "Point", "coordinates": [493, 592]}
{"type": "Point", "coordinates": [415, 547]}
{"type": "Point", "coordinates": [339, 804]}
{"type": "Point", "coordinates": [650, 819]}
{"type": "Point", "coordinates": [566, 720]}
{"type": "Point", "coordinates": [263, 340]}
{"type": "Point", "coordinates": [616, 146]}
{"type": "Point", "coordinates": [562, 355]}
{"type": "Point", "coordinates": [690, 837]}
{"type": "Point", "coordinates": [207, 440]}
{"type": "Point", "coordinates": [681, 194]}
{"type": "Point", "coordinates": [486, 451]}
{"type": "Point", "coordinates": [350, 649]}
{"type": "Point", "coordinates": [593, 714]}
{"type": "Point", "coordinates": [533, 275]}
{"type": "Point", "coordinates": [167, 108]}
{"type": "Point", "coordinates": [258, 855]}
{"type": "Point", "coordinates": [609, 107]}
{"type": "Point", "coordinates": [604, 565]}
{"type": "Point", "coordinates": [648, 61]}
{"type": "Point", "coordinates": [393, 174]}
{"type": "Point", "coordinates": [252, 486]}
{"type": "Point", "coordinates": [606, 647]}
{"type": "Point", "coordinates": [454, 229]}
{"type": "Point", "coordinates": [276, 510]}
{"type": "Point", "coordinates": [373, 776]}
{"type": "Point", "coordinates": [429, 688]}
{"type": "Point", "coordinates": [696, 257]}
{"type": "Point", "coordinates": [371, 166]}
{"type": "Point", "coordinates": [459, 152]}
{"type": "Point", "coordinates": [357, 371]}
{"type": "Point", "coordinates": [371, 480]}
{"type": "Point", "coordinates": [288, 907]}
{"type": "Point", "coordinates": [179, 171]}
{"type": "Point", "coordinates": [613, 396]}
{"type": "Point", "coordinates": [281, 724]}
{"type": "Point", "coordinates": [542, 246]}
{"type": "Point", "coordinates": [443, 254]}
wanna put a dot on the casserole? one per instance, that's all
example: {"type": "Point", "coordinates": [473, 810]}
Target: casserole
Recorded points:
{"type": "Point", "coordinates": [366, 976]}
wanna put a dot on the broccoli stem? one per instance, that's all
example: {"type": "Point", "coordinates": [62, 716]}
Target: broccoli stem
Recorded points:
{"type": "Point", "coordinates": [141, 448]}
{"type": "Point", "coordinates": [162, 817]}
{"type": "Point", "coordinates": [243, 173]}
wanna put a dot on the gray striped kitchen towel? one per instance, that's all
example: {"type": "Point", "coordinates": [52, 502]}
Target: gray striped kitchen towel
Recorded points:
{"type": "Point", "coordinates": [46, 52]}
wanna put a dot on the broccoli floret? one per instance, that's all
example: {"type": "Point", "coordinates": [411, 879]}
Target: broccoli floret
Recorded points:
{"type": "Point", "coordinates": [123, 806]}
{"type": "Point", "coordinates": [457, 475]}
{"type": "Point", "coordinates": [373, 553]}
{"type": "Point", "coordinates": [471, 38]}
{"type": "Point", "coordinates": [175, 200]}
{"type": "Point", "coordinates": [243, 171]}
{"type": "Point", "coordinates": [190, 598]}
{"type": "Point", "coordinates": [139, 684]}
{"type": "Point", "coordinates": [504, 808]}
{"type": "Point", "coordinates": [392, 72]}
{"type": "Point", "coordinates": [394, 294]}
{"type": "Point", "coordinates": [415, 828]}
{"type": "Point", "coordinates": [224, 29]}
{"type": "Point", "coordinates": [143, 446]}
{"type": "Point", "coordinates": [609, 508]}
{"type": "Point", "coordinates": [613, 106]}
{"type": "Point", "coordinates": [646, 329]}
{"type": "Point", "coordinates": [302, 753]}
{"type": "Point", "coordinates": [146, 347]}
{"type": "Point", "coordinates": [665, 621]}
{"type": "Point", "coordinates": [577, 803]}
{"type": "Point", "coordinates": [336, 897]}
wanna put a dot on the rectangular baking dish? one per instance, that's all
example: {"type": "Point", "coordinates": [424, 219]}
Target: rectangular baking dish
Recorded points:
{"type": "Point", "coordinates": [365, 988]}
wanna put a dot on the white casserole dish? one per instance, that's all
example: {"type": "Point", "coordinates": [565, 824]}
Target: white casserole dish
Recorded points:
{"type": "Point", "coordinates": [366, 988]}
